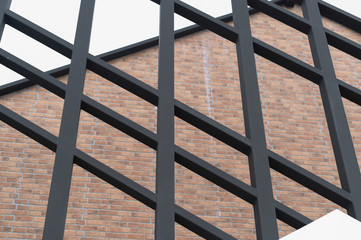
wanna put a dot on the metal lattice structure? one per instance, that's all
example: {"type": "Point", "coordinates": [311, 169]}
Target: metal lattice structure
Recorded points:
{"type": "Point", "coordinates": [261, 159]}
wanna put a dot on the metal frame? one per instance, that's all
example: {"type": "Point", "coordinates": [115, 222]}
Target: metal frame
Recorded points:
{"type": "Point", "coordinates": [266, 208]}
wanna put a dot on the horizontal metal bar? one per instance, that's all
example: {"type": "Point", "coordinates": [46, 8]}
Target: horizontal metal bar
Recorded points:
{"type": "Point", "coordinates": [182, 111]}
{"type": "Point", "coordinates": [213, 24]}
{"type": "Point", "coordinates": [289, 18]}
{"type": "Point", "coordinates": [28, 128]}
{"type": "Point", "coordinates": [115, 178]}
{"type": "Point", "coordinates": [123, 80]}
{"type": "Point", "coordinates": [15, 86]}
{"type": "Point", "coordinates": [344, 44]}
{"type": "Point", "coordinates": [199, 226]}
{"type": "Point", "coordinates": [215, 175]}
{"type": "Point", "coordinates": [340, 16]}
{"type": "Point", "coordinates": [21, 67]}
{"type": "Point", "coordinates": [25, 83]}
{"type": "Point", "coordinates": [212, 127]}
{"type": "Point", "coordinates": [40, 34]}
{"type": "Point", "coordinates": [309, 180]}
{"type": "Point", "coordinates": [182, 157]}
{"type": "Point", "coordinates": [205, 20]}
{"type": "Point", "coordinates": [216, 25]}
{"type": "Point", "coordinates": [120, 122]}
{"type": "Point", "coordinates": [350, 92]}
{"type": "Point", "coordinates": [287, 61]}
{"type": "Point", "coordinates": [290, 216]}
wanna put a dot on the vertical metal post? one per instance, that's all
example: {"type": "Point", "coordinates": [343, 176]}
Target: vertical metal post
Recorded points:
{"type": "Point", "coordinates": [164, 214]}
{"type": "Point", "coordinates": [344, 151]}
{"type": "Point", "coordinates": [60, 184]}
{"type": "Point", "coordinates": [4, 6]}
{"type": "Point", "coordinates": [264, 208]}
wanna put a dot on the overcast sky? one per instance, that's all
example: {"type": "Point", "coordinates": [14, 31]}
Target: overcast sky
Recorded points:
{"type": "Point", "coordinates": [117, 23]}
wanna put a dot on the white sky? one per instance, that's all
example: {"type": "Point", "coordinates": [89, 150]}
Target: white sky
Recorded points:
{"type": "Point", "coordinates": [117, 23]}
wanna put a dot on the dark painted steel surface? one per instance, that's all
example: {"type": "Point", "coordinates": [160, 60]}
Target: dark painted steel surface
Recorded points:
{"type": "Point", "coordinates": [164, 213]}
{"type": "Point", "coordinates": [253, 145]}
{"type": "Point", "coordinates": [4, 7]}
{"type": "Point", "coordinates": [63, 165]}
{"type": "Point", "coordinates": [341, 139]}
{"type": "Point", "coordinates": [264, 209]}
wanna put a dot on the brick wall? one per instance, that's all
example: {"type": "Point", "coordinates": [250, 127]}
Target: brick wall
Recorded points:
{"type": "Point", "coordinates": [206, 78]}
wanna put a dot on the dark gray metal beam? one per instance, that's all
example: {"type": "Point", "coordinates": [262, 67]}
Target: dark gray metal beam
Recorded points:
{"type": "Point", "coordinates": [340, 16]}
{"type": "Point", "coordinates": [264, 208]}
{"type": "Point", "coordinates": [309, 180]}
{"type": "Point", "coordinates": [283, 15]}
{"type": "Point", "coordinates": [63, 165]}
{"type": "Point", "coordinates": [344, 44]}
{"type": "Point", "coordinates": [350, 92]}
{"type": "Point", "coordinates": [164, 212]}
{"type": "Point", "coordinates": [4, 7]}
{"type": "Point", "coordinates": [344, 151]}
